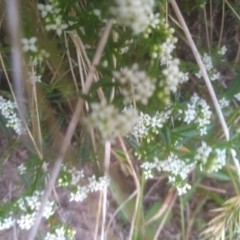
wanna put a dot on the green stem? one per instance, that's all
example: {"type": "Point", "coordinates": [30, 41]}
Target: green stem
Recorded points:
{"type": "Point", "coordinates": [182, 218]}
{"type": "Point", "coordinates": [236, 186]}
{"type": "Point", "coordinates": [139, 213]}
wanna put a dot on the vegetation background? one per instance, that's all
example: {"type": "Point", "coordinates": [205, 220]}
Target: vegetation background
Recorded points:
{"type": "Point", "coordinates": [119, 119]}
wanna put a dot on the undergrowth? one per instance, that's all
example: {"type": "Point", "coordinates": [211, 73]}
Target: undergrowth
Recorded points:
{"type": "Point", "coordinates": [122, 83]}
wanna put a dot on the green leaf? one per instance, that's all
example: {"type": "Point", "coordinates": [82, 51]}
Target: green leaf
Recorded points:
{"type": "Point", "coordinates": [216, 198]}
{"type": "Point", "coordinates": [153, 210]}
{"type": "Point", "coordinates": [220, 175]}
{"type": "Point", "coordinates": [234, 88]}
{"type": "Point", "coordinates": [188, 131]}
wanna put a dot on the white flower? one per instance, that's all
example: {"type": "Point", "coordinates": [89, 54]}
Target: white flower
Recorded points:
{"type": "Point", "coordinates": [7, 109]}
{"type": "Point", "coordinates": [34, 78]}
{"type": "Point", "coordinates": [109, 121]}
{"type": "Point", "coordinates": [97, 12]}
{"type": "Point", "coordinates": [26, 221]}
{"type": "Point", "coordinates": [6, 223]}
{"type": "Point", "coordinates": [22, 169]}
{"type": "Point", "coordinates": [147, 169]}
{"type": "Point", "coordinates": [33, 203]}
{"type": "Point", "coordinates": [223, 50]}
{"type": "Point", "coordinates": [207, 61]}
{"type": "Point", "coordinates": [224, 103]}
{"type": "Point", "coordinates": [79, 195]}
{"type": "Point", "coordinates": [237, 96]}
{"type": "Point", "coordinates": [182, 188]}
{"type": "Point", "coordinates": [154, 20]}
{"type": "Point", "coordinates": [29, 44]}
{"type": "Point", "coordinates": [98, 185]}
{"type": "Point", "coordinates": [166, 49]}
{"type": "Point", "coordinates": [215, 76]}
{"type": "Point", "coordinates": [174, 165]}
{"type": "Point", "coordinates": [134, 14]}
{"type": "Point", "coordinates": [202, 155]}
{"type": "Point", "coordinates": [58, 26]}
{"type": "Point", "coordinates": [218, 161]}
{"type": "Point", "coordinates": [49, 209]}
{"type": "Point", "coordinates": [173, 75]}
{"type": "Point", "coordinates": [146, 123]}
{"type": "Point", "coordinates": [184, 78]}
{"type": "Point", "coordinates": [190, 114]}
{"type": "Point", "coordinates": [69, 176]}
{"type": "Point", "coordinates": [198, 112]}
{"type": "Point", "coordinates": [58, 234]}
{"type": "Point", "coordinates": [45, 9]}
{"type": "Point", "coordinates": [135, 85]}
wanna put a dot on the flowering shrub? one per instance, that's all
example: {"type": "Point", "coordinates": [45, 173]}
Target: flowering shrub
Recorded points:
{"type": "Point", "coordinates": [111, 73]}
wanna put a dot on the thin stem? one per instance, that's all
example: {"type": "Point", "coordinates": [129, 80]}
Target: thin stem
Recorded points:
{"type": "Point", "coordinates": [182, 218]}
{"type": "Point", "coordinates": [139, 213]}
{"type": "Point", "coordinates": [211, 22]}
{"type": "Point", "coordinates": [222, 24]}
{"type": "Point", "coordinates": [98, 216]}
{"type": "Point", "coordinates": [106, 174]}
{"type": "Point", "coordinates": [35, 109]}
{"type": "Point", "coordinates": [206, 26]}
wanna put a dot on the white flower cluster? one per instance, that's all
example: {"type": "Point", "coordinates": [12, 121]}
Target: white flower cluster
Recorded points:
{"type": "Point", "coordinates": [29, 44]}
{"type": "Point", "coordinates": [98, 185]}
{"type": "Point", "coordinates": [198, 112]}
{"type": "Point", "coordinates": [173, 75]}
{"type": "Point", "coordinates": [135, 14]}
{"type": "Point", "coordinates": [237, 96]}
{"type": "Point", "coordinates": [154, 20]}
{"type": "Point", "coordinates": [181, 186]}
{"type": "Point", "coordinates": [147, 124]}
{"type": "Point", "coordinates": [184, 78]}
{"type": "Point", "coordinates": [224, 102]}
{"type": "Point", "coordinates": [222, 50]}
{"type": "Point", "coordinates": [80, 194]}
{"type": "Point", "coordinates": [8, 109]}
{"type": "Point", "coordinates": [154, 23]}
{"type": "Point", "coordinates": [126, 47]}
{"type": "Point", "coordinates": [135, 85]}
{"type": "Point", "coordinates": [177, 169]}
{"type": "Point", "coordinates": [164, 50]}
{"type": "Point", "coordinates": [148, 168]}
{"type": "Point", "coordinates": [71, 177]}
{"type": "Point", "coordinates": [109, 121]}
{"type": "Point", "coordinates": [207, 61]}
{"type": "Point", "coordinates": [174, 165]}
{"type": "Point", "coordinates": [29, 207]}
{"type": "Point", "coordinates": [33, 77]}
{"type": "Point", "coordinates": [94, 185]}
{"type": "Point", "coordinates": [53, 19]}
{"type": "Point", "coordinates": [22, 169]}
{"type": "Point", "coordinates": [60, 233]}
{"type": "Point", "coordinates": [37, 56]}
{"type": "Point", "coordinates": [209, 159]}
{"type": "Point", "coordinates": [6, 222]}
